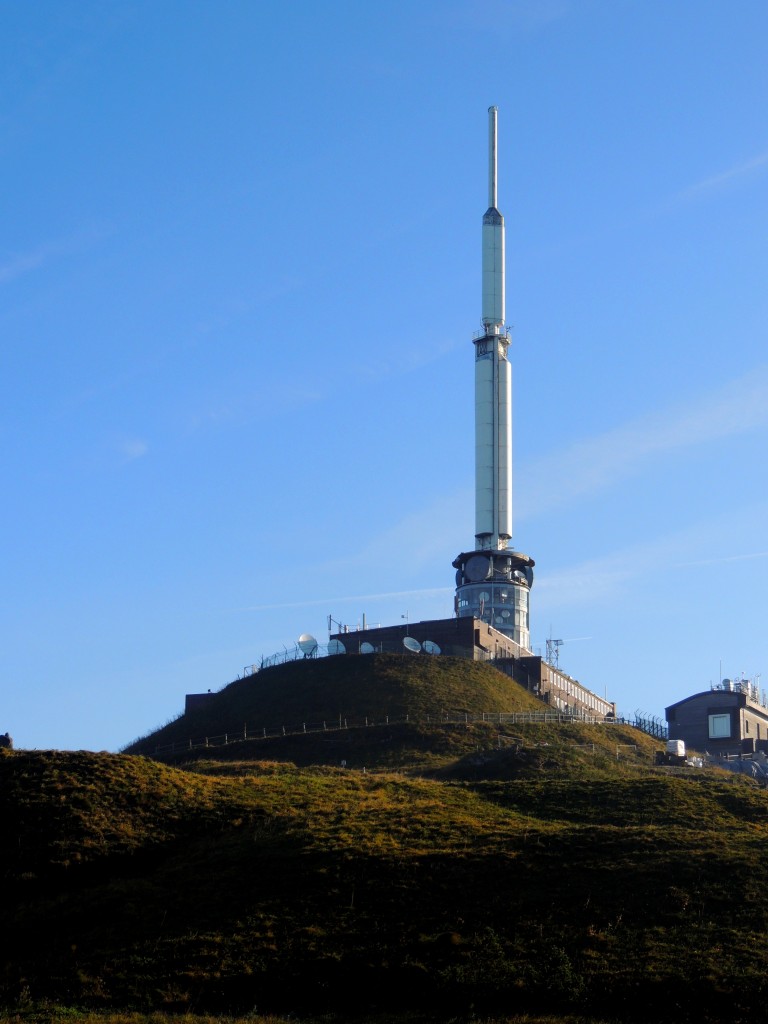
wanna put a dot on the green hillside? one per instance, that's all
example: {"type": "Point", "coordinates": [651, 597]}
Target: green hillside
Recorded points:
{"type": "Point", "coordinates": [560, 875]}
{"type": "Point", "coordinates": [455, 869]}
{"type": "Point", "coordinates": [376, 687]}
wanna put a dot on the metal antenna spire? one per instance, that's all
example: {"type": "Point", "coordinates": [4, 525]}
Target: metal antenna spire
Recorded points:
{"type": "Point", "coordinates": [493, 240]}
{"type": "Point", "coordinates": [493, 160]}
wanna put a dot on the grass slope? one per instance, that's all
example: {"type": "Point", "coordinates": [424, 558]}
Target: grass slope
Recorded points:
{"type": "Point", "coordinates": [326, 689]}
{"type": "Point", "coordinates": [546, 876]}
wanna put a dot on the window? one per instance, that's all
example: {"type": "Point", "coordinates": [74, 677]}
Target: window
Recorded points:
{"type": "Point", "coordinates": [719, 727]}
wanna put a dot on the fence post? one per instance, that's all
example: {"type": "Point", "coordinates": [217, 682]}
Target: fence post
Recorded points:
{"type": "Point", "coordinates": [283, 730]}
{"type": "Point", "coordinates": [265, 732]}
{"type": "Point", "coordinates": [305, 726]}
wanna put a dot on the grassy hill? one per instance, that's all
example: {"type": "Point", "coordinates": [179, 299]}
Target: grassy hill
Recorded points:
{"type": "Point", "coordinates": [473, 869]}
{"type": "Point", "coordinates": [543, 877]}
{"type": "Point", "coordinates": [376, 687]}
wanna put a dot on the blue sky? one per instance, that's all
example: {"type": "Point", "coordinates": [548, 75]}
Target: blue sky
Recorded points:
{"type": "Point", "coordinates": [239, 277]}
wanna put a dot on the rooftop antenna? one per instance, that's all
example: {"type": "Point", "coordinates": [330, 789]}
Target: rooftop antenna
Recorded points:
{"type": "Point", "coordinates": [553, 648]}
{"type": "Point", "coordinates": [553, 652]}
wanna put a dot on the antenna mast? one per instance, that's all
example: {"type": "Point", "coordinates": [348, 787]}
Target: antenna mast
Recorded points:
{"type": "Point", "coordinates": [493, 581]}
{"type": "Point", "coordinates": [493, 159]}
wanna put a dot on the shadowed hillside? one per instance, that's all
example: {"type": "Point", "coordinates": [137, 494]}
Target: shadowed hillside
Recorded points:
{"type": "Point", "coordinates": [547, 876]}
{"type": "Point", "coordinates": [473, 868]}
{"type": "Point", "coordinates": [320, 690]}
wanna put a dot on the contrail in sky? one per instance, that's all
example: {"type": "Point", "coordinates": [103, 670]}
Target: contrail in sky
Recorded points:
{"type": "Point", "coordinates": [757, 163]}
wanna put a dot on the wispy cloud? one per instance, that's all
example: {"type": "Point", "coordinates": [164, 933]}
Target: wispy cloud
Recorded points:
{"type": "Point", "coordinates": [239, 305]}
{"type": "Point", "coordinates": [406, 361]}
{"type": "Point", "coordinates": [18, 264]}
{"type": "Point", "coordinates": [609, 577]}
{"type": "Point", "coordinates": [592, 464]}
{"type": "Point", "coordinates": [590, 581]}
{"type": "Point", "coordinates": [22, 263]}
{"type": "Point", "coordinates": [749, 557]}
{"type": "Point", "coordinates": [415, 540]}
{"type": "Point", "coordinates": [426, 534]}
{"type": "Point", "coordinates": [133, 448]}
{"type": "Point", "coordinates": [257, 404]}
{"type": "Point", "coordinates": [329, 602]}
{"type": "Point", "coordinates": [730, 176]}
{"type": "Point", "coordinates": [517, 15]}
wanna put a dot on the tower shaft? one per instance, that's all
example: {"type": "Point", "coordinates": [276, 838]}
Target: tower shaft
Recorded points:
{"type": "Point", "coordinates": [493, 377]}
{"type": "Point", "coordinates": [493, 582]}
{"type": "Point", "coordinates": [493, 441]}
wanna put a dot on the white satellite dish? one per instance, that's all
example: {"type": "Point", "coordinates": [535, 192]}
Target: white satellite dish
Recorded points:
{"type": "Point", "coordinates": [336, 647]}
{"type": "Point", "coordinates": [366, 648]}
{"type": "Point", "coordinates": [307, 645]}
{"type": "Point", "coordinates": [431, 647]}
{"type": "Point", "coordinates": [411, 645]}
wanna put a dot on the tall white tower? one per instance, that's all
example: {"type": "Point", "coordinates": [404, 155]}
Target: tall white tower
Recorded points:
{"type": "Point", "coordinates": [493, 581]}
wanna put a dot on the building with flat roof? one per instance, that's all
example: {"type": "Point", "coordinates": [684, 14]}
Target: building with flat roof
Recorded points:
{"type": "Point", "coordinates": [469, 637]}
{"type": "Point", "coordinates": [730, 717]}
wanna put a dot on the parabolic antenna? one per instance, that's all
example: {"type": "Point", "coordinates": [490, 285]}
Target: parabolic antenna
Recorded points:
{"type": "Point", "coordinates": [478, 568]}
{"type": "Point", "coordinates": [307, 645]}
{"type": "Point", "coordinates": [431, 647]}
{"type": "Point", "coordinates": [411, 645]}
{"type": "Point", "coordinates": [336, 647]}
{"type": "Point", "coordinates": [366, 648]}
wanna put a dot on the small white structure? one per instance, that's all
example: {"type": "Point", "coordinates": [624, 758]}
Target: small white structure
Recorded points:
{"type": "Point", "coordinates": [676, 747]}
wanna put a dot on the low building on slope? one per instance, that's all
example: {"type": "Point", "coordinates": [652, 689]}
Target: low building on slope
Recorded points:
{"type": "Point", "coordinates": [730, 717]}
